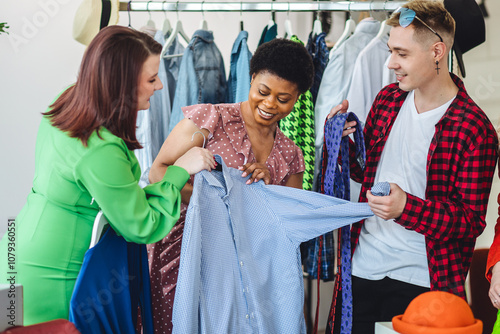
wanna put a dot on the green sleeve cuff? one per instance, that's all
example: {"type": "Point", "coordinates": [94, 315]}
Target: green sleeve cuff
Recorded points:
{"type": "Point", "coordinates": [176, 176]}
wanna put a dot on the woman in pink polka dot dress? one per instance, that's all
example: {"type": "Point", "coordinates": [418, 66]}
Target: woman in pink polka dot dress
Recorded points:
{"type": "Point", "coordinates": [246, 135]}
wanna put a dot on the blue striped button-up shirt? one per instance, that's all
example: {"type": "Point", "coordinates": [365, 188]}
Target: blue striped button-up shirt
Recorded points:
{"type": "Point", "coordinates": [240, 268]}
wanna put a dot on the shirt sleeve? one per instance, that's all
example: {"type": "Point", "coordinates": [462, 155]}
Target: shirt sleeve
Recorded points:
{"type": "Point", "coordinates": [305, 215]}
{"type": "Point", "coordinates": [297, 165]}
{"type": "Point", "coordinates": [140, 215]}
{"type": "Point", "coordinates": [205, 116]}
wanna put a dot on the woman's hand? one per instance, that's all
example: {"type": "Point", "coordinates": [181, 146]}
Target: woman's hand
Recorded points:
{"type": "Point", "coordinates": [196, 159]}
{"type": "Point", "coordinates": [259, 172]}
{"type": "Point", "coordinates": [494, 292]}
{"type": "Point", "coordinates": [349, 127]}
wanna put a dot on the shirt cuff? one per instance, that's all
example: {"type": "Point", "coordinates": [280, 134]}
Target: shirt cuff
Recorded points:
{"type": "Point", "coordinates": [176, 176]}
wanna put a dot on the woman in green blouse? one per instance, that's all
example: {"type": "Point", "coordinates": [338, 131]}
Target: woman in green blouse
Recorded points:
{"type": "Point", "coordinates": [85, 163]}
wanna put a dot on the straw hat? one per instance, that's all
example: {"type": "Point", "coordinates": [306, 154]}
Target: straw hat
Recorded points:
{"type": "Point", "coordinates": [92, 16]}
{"type": "Point", "coordinates": [437, 312]}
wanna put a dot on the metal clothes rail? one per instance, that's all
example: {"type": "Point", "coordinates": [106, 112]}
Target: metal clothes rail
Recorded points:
{"type": "Point", "coordinates": [270, 6]}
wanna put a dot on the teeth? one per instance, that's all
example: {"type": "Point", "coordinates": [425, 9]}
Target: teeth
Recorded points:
{"type": "Point", "coordinates": [265, 113]}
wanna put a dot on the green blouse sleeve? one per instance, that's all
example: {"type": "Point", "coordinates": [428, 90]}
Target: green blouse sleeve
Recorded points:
{"type": "Point", "coordinates": [139, 215]}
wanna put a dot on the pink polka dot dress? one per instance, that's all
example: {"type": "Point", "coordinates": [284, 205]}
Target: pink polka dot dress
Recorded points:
{"type": "Point", "coordinates": [229, 139]}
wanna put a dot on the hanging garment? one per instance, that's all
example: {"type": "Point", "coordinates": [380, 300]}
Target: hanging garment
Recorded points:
{"type": "Point", "coordinates": [367, 81]}
{"type": "Point", "coordinates": [238, 83]}
{"type": "Point", "coordinates": [240, 266]}
{"type": "Point", "coordinates": [268, 34]}
{"type": "Point", "coordinates": [299, 127]}
{"type": "Point", "coordinates": [160, 108]}
{"type": "Point", "coordinates": [172, 66]}
{"type": "Point", "coordinates": [367, 77]}
{"type": "Point", "coordinates": [112, 284]}
{"type": "Point", "coordinates": [324, 248]}
{"type": "Point", "coordinates": [337, 77]}
{"type": "Point", "coordinates": [202, 77]}
{"type": "Point", "coordinates": [316, 46]}
{"type": "Point", "coordinates": [152, 124]}
{"type": "Point", "coordinates": [335, 182]}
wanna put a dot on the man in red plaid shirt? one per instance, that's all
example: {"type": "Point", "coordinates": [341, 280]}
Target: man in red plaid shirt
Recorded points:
{"type": "Point", "coordinates": [438, 150]}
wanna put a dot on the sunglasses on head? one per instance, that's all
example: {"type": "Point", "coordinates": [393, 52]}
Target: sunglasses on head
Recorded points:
{"type": "Point", "coordinates": [406, 17]}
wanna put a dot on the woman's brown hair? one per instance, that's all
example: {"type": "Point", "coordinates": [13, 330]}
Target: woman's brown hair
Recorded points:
{"type": "Point", "coordinates": [105, 92]}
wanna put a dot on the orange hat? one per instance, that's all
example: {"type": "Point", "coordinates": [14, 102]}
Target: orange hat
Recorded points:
{"type": "Point", "coordinates": [437, 312]}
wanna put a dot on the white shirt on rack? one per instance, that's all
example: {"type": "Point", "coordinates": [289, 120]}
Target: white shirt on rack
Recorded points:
{"type": "Point", "coordinates": [337, 77]}
{"type": "Point", "coordinates": [367, 77]}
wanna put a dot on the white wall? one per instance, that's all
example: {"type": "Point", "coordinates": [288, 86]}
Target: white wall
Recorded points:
{"type": "Point", "coordinates": [37, 60]}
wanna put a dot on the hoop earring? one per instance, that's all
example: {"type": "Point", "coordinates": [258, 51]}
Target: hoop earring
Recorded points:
{"type": "Point", "coordinates": [437, 67]}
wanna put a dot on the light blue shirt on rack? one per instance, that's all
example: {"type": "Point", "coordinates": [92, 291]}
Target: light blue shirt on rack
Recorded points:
{"type": "Point", "coordinates": [238, 83]}
{"type": "Point", "coordinates": [240, 268]}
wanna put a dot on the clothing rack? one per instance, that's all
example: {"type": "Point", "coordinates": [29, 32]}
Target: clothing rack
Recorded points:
{"type": "Point", "coordinates": [270, 6]}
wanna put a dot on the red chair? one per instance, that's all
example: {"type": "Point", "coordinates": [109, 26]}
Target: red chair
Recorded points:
{"type": "Point", "coordinates": [58, 326]}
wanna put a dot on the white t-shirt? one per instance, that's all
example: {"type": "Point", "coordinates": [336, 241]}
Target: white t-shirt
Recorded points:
{"type": "Point", "coordinates": [386, 248]}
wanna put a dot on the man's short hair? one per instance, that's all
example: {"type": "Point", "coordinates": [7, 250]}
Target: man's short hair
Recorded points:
{"type": "Point", "coordinates": [434, 14]}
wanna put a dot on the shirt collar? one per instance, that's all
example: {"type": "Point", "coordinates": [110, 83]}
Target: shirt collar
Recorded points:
{"type": "Point", "coordinates": [455, 111]}
{"type": "Point", "coordinates": [205, 35]}
{"type": "Point", "coordinates": [367, 26]}
{"type": "Point", "coordinates": [243, 35]}
{"type": "Point", "coordinates": [226, 176]}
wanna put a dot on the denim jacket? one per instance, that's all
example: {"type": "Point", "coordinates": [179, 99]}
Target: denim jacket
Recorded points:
{"type": "Point", "coordinates": [202, 77]}
{"type": "Point", "coordinates": [239, 75]}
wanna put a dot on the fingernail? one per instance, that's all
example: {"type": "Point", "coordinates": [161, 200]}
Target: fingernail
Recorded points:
{"type": "Point", "coordinates": [249, 181]}
{"type": "Point", "coordinates": [244, 174]}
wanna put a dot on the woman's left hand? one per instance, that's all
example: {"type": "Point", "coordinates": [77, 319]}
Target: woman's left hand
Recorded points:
{"type": "Point", "coordinates": [494, 292]}
{"type": "Point", "coordinates": [257, 170]}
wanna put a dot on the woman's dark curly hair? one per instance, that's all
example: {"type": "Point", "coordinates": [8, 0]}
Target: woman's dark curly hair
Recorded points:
{"type": "Point", "coordinates": [287, 59]}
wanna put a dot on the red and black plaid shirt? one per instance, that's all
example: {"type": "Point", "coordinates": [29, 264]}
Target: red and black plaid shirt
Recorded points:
{"type": "Point", "coordinates": [460, 167]}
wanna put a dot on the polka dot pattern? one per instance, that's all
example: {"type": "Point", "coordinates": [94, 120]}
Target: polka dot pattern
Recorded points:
{"type": "Point", "coordinates": [229, 139]}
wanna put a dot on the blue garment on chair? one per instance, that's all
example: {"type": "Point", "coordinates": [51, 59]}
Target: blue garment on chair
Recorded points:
{"type": "Point", "coordinates": [112, 284]}
{"type": "Point", "coordinates": [240, 269]}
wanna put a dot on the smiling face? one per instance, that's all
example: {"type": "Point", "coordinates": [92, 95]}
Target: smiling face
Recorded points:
{"type": "Point", "coordinates": [148, 81]}
{"type": "Point", "coordinates": [412, 61]}
{"type": "Point", "coordinates": [271, 98]}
